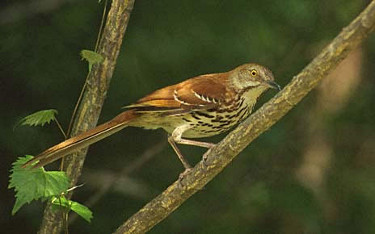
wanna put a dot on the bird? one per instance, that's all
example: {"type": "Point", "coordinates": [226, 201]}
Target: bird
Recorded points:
{"type": "Point", "coordinates": [199, 107]}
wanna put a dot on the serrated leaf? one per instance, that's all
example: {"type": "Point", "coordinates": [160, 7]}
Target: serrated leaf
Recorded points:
{"type": "Point", "coordinates": [34, 184]}
{"type": "Point", "coordinates": [39, 118]}
{"type": "Point", "coordinates": [91, 57]}
{"type": "Point", "coordinates": [80, 209]}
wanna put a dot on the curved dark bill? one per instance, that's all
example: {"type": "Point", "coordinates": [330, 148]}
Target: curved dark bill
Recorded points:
{"type": "Point", "coordinates": [273, 84]}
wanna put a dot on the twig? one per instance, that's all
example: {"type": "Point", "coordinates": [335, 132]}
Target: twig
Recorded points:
{"type": "Point", "coordinates": [61, 129]}
{"type": "Point", "coordinates": [221, 155]}
{"type": "Point", "coordinates": [99, 37]}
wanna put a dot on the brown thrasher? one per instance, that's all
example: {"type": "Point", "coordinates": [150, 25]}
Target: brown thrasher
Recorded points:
{"type": "Point", "coordinates": [202, 106]}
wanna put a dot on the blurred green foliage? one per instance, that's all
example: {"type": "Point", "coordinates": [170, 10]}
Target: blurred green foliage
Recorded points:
{"type": "Point", "coordinates": [166, 42]}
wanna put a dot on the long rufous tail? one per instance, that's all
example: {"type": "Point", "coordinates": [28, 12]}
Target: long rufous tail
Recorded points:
{"type": "Point", "coordinates": [82, 140]}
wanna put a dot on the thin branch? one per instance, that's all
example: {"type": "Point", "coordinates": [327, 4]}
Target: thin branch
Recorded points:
{"type": "Point", "coordinates": [266, 116]}
{"type": "Point", "coordinates": [93, 99]}
{"type": "Point", "coordinates": [99, 37]}
{"type": "Point", "coordinates": [101, 25]}
{"type": "Point", "coordinates": [61, 129]}
{"type": "Point", "coordinates": [77, 105]}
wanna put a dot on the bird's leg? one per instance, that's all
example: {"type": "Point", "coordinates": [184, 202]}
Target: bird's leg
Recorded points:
{"type": "Point", "coordinates": [176, 137]}
{"type": "Point", "coordinates": [207, 145]}
{"type": "Point", "coordinates": [200, 144]}
{"type": "Point", "coordinates": [184, 162]}
{"type": "Point", "coordinates": [204, 158]}
{"type": "Point", "coordinates": [179, 154]}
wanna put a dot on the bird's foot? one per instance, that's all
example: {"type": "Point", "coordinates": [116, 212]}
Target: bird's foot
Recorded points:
{"type": "Point", "coordinates": [205, 155]}
{"type": "Point", "coordinates": [183, 174]}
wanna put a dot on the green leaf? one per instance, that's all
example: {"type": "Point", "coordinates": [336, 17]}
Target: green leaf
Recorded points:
{"type": "Point", "coordinates": [80, 209]}
{"type": "Point", "coordinates": [39, 118]}
{"type": "Point", "coordinates": [91, 57]}
{"type": "Point", "coordinates": [33, 184]}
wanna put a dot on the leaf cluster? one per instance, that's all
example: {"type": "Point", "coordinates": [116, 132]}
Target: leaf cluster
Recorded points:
{"type": "Point", "coordinates": [38, 184]}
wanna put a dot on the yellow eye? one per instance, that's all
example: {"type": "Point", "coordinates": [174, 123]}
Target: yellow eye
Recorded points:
{"type": "Point", "coordinates": [253, 72]}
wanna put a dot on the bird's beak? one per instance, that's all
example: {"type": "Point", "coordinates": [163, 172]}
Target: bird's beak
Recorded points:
{"type": "Point", "coordinates": [272, 85]}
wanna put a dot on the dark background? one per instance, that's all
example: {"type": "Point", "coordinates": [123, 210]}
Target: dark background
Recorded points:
{"type": "Point", "coordinates": [313, 172]}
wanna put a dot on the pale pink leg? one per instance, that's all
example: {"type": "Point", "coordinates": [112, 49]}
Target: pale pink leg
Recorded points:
{"type": "Point", "coordinates": [176, 138]}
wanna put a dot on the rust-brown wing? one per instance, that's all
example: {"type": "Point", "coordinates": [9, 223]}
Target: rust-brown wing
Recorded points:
{"type": "Point", "coordinates": [202, 92]}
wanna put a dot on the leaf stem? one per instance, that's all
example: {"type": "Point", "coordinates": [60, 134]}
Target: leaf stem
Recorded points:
{"type": "Point", "coordinates": [61, 129]}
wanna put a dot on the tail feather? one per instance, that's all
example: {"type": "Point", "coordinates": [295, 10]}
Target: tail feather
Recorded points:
{"type": "Point", "coordinates": [83, 140]}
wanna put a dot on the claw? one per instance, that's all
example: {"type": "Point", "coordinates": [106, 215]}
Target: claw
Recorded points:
{"type": "Point", "coordinates": [182, 176]}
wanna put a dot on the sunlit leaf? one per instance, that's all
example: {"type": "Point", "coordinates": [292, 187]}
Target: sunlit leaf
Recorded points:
{"type": "Point", "coordinates": [80, 209]}
{"type": "Point", "coordinates": [33, 184]}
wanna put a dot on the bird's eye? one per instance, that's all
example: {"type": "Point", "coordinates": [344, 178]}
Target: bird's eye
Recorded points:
{"type": "Point", "coordinates": [253, 72]}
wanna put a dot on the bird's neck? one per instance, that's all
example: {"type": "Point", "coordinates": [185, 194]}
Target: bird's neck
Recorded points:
{"type": "Point", "coordinates": [251, 95]}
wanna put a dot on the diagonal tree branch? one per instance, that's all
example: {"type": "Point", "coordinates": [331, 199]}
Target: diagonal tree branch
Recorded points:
{"type": "Point", "coordinates": [220, 156]}
{"type": "Point", "coordinates": [89, 110]}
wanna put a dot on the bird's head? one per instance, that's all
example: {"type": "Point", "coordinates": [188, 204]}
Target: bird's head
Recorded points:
{"type": "Point", "coordinates": [252, 75]}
